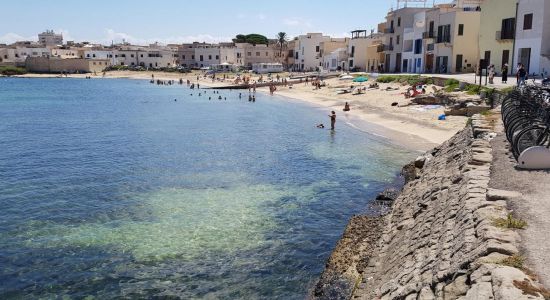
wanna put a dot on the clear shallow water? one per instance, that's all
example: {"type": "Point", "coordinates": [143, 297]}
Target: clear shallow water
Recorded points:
{"type": "Point", "coordinates": [109, 188]}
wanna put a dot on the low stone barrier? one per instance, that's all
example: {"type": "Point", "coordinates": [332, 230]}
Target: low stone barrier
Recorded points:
{"type": "Point", "coordinates": [439, 240]}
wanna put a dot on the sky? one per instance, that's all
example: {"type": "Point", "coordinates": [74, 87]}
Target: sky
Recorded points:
{"type": "Point", "coordinates": [181, 21]}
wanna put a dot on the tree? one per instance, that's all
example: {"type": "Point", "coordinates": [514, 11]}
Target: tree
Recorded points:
{"type": "Point", "coordinates": [254, 38]}
{"type": "Point", "coordinates": [282, 40]}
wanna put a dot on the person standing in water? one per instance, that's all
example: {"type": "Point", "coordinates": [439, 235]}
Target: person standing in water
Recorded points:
{"type": "Point", "coordinates": [332, 120]}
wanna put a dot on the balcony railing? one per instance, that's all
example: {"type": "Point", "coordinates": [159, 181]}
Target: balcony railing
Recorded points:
{"type": "Point", "coordinates": [428, 35]}
{"type": "Point", "coordinates": [504, 35]}
{"type": "Point", "coordinates": [382, 48]}
{"type": "Point", "coordinates": [389, 30]}
{"type": "Point", "coordinates": [443, 39]}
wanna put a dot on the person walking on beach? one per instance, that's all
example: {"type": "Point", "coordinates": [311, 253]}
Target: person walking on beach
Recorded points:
{"type": "Point", "coordinates": [332, 120]}
{"type": "Point", "coordinates": [505, 73]}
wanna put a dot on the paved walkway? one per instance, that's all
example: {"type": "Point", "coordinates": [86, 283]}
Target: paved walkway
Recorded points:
{"type": "Point", "coordinates": [534, 207]}
{"type": "Point", "coordinates": [469, 78]}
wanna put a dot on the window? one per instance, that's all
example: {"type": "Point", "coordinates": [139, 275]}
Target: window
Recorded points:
{"type": "Point", "coordinates": [352, 51]}
{"type": "Point", "coordinates": [87, 55]}
{"type": "Point", "coordinates": [218, 57]}
{"type": "Point", "coordinates": [528, 22]}
{"type": "Point", "coordinates": [209, 57]}
{"type": "Point", "coordinates": [460, 29]}
{"type": "Point", "coordinates": [141, 55]}
{"type": "Point", "coordinates": [508, 29]}
{"type": "Point", "coordinates": [418, 46]}
{"type": "Point", "coordinates": [193, 57]}
{"type": "Point", "coordinates": [249, 53]}
{"type": "Point", "coordinates": [131, 55]}
{"type": "Point", "coordinates": [317, 49]}
{"type": "Point", "coordinates": [444, 34]}
{"type": "Point", "coordinates": [201, 58]}
{"type": "Point", "coordinates": [267, 54]}
{"type": "Point", "coordinates": [257, 53]}
{"type": "Point", "coordinates": [399, 22]}
{"type": "Point", "coordinates": [183, 57]}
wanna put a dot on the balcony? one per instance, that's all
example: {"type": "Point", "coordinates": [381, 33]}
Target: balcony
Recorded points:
{"type": "Point", "coordinates": [382, 48]}
{"type": "Point", "coordinates": [504, 35]}
{"type": "Point", "coordinates": [428, 35]}
{"type": "Point", "coordinates": [443, 39]}
{"type": "Point", "coordinates": [389, 30]}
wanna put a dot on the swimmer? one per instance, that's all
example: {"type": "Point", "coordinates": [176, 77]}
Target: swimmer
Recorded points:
{"type": "Point", "coordinates": [320, 126]}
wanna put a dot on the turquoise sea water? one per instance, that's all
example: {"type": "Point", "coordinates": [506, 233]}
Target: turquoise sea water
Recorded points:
{"type": "Point", "coordinates": [111, 189]}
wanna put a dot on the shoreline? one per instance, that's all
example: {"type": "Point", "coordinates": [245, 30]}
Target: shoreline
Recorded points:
{"type": "Point", "coordinates": [371, 112]}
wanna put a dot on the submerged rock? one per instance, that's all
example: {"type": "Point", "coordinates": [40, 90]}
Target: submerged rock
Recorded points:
{"type": "Point", "coordinates": [388, 195]}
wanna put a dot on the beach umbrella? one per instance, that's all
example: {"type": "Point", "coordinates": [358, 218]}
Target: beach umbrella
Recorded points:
{"type": "Point", "coordinates": [360, 79]}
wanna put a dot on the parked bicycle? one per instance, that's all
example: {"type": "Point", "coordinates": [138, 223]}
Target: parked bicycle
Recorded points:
{"type": "Point", "coordinates": [526, 117]}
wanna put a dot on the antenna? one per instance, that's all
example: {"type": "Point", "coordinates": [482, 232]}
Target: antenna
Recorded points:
{"type": "Point", "coordinates": [414, 2]}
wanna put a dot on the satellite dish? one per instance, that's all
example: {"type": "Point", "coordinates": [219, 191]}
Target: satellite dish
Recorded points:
{"type": "Point", "coordinates": [420, 23]}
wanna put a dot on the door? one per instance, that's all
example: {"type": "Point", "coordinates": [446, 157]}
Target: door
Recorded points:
{"type": "Point", "coordinates": [505, 57]}
{"type": "Point", "coordinates": [438, 64]}
{"type": "Point", "coordinates": [398, 63]}
{"type": "Point", "coordinates": [525, 57]}
{"type": "Point", "coordinates": [487, 58]}
{"type": "Point", "coordinates": [387, 63]}
{"type": "Point", "coordinates": [405, 65]}
{"type": "Point", "coordinates": [429, 63]}
{"type": "Point", "coordinates": [459, 63]}
{"type": "Point", "coordinates": [444, 64]}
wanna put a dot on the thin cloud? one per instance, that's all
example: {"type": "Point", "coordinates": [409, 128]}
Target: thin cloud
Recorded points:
{"type": "Point", "coordinates": [297, 22]}
{"type": "Point", "coordinates": [11, 37]}
{"type": "Point", "coordinates": [117, 37]}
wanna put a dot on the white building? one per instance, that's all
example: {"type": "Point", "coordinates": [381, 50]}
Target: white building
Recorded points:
{"type": "Point", "coordinates": [50, 38]}
{"type": "Point", "coordinates": [532, 47]}
{"type": "Point", "coordinates": [413, 46]}
{"type": "Point", "coordinates": [16, 55]}
{"type": "Point", "coordinates": [335, 60]}
{"type": "Point", "coordinates": [264, 68]}
{"type": "Point", "coordinates": [307, 51]}
{"type": "Point", "coordinates": [207, 55]}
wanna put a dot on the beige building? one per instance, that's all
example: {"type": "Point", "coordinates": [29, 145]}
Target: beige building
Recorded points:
{"type": "Point", "coordinates": [497, 32]}
{"type": "Point", "coordinates": [50, 38]}
{"type": "Point", "coordinates": [451, 39]}
{"type": "Point", "coordinates": [360, 58]}
{"type": "Point", "coordinates": [69, 65]}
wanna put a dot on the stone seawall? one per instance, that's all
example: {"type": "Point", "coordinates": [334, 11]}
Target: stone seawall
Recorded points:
{"type": "Point", "coordinates": [439, 240]}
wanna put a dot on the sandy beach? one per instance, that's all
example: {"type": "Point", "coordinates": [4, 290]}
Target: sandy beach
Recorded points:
{"type": "Point", "coordinates": [412, 126]}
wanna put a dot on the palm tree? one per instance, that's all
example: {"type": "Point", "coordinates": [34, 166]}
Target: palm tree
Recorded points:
{"type": "Point", "coordinates": [282, 40]}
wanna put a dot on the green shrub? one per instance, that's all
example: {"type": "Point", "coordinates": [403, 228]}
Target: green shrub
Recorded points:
{"type": "Point", "coordinates": [386, 79]}
{"type": "Point", "coordinates": [449, 82]}
{"type": "Point", "coordinates": [510, 222]}
{"type": "Point", "coordinates": [451, 87]}
{"type": "Point", "coordinates": [11, 70]}
{"type": "Point", "coordinates": [514, 261]}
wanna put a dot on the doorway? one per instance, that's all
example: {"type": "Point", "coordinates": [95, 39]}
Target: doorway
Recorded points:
{"type": "Point", "coordinates": [398, 63]}
{"type": "Point", "coordinates": [429, 63]}
{"type": "Point", "coordinates": [525, 57]}
{"type": "Point", "coordinates": [459, 63]}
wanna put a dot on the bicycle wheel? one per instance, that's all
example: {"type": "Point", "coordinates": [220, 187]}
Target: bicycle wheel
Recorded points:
{"type": "Point", "coordinates": [536, 135]}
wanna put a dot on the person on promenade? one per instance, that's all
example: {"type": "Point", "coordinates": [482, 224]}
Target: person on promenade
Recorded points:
{"type": "Point", "coordinates": [332, 120]}
{"type": "Point", "coordinates": [522, 75]}
{"type": "Point", "coordinates": [491, 74]}
{"type": "Point", "coordinates": [505, 73]}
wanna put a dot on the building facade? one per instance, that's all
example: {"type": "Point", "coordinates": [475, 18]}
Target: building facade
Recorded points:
{"type": "Point", "coordinates": [532, 45]}
{"type": "Point", "coordinates": [497, 32]}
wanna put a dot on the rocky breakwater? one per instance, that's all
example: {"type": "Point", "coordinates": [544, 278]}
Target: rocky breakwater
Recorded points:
{"type": "Point", "coordinates": [440, 240]}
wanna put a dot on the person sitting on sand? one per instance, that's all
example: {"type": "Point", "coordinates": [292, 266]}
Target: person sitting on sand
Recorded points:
{"type": "Point", "coordinates": [346, 107]}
